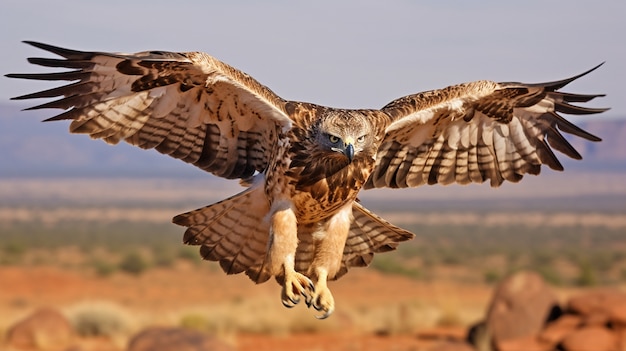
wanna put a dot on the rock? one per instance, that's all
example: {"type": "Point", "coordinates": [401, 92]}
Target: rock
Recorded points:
{"type": "Point", "coordinates": [522, 304]}
{"type": "Point", "coordinates": [557, 330]}
{"type": "Point", "coordinates": [617, 315]}
{"type": "Point", "coordinates": [45, 329]}
{"type": "Point", "coordinates": [179, 339]}
{"type": "Point", "coordinates": [599, 301]}
{"type": "Point", "coordinates": [479, 337]}
{"type": "Point", "coordinates": [526, 343]}
{"type": "Point", "coordinates": [621, 338]}
{"type": "Point", "coordinates": [591, 338]}
{"type": "Point", "coordinates": [597, 318]}
{"type": "Point", "coordinates": [451, 346]}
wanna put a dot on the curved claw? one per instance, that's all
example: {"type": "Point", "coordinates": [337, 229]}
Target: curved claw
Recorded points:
{"type": "Point", "coordinates": [308, 299]}
{"type": "Point", "coordinates": [323, 301]}
{"type": "Point", "coordinates": [297, 285]}
{"type": "Point", "coordinates": [288, 302]}
{"type": "Point", "coordinates": [326, 314]}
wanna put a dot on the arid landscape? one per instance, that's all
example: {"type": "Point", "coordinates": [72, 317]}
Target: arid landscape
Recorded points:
{"type": "Point", "coordinates": [89, 257]}
{"type": "Point", "coordinates": [103, 253]}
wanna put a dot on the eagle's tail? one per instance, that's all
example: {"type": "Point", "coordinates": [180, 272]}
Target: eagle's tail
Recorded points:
{"type": "Point", "coordinates": [369, 234]}
{"type": "Point", "coordinates": [233, 231]}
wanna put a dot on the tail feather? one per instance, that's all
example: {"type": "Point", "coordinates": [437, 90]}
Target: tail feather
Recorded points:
{"type": "Point", "coordinates": [233, 232]}
{"type": "Point", "coordinates": [369, 234]}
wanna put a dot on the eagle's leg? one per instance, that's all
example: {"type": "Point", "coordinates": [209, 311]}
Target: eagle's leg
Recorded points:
{"type": "Point", "coordinates": [322, 299]}
{"type": "Point", "coordinates": [282, 251]}
{"type": "Point", "coordinates": [329, 245]}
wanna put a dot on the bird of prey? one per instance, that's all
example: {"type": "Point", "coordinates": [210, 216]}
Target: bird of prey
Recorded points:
{"type": "Point", "coordinates": [298, 219]}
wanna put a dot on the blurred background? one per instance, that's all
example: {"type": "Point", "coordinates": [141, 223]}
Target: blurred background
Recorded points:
{"type": "Point", "coordinates": [85, 228]}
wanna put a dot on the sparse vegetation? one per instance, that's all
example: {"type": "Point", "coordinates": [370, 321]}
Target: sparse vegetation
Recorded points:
{"type": "Point", "coordinates": [133, 263]}
{"type": "Point", "coordinates": [389, 265]}
{"type": "Point", "coordinates": [163, 256]}
{"type": "Point", "coordinates": [546, 250]}
{"type": "Point", "coordinates": [587, 275]}
{"type": "Point", "coordinates": [103, 268]}
{"type": "Point", "coordinates": [253, 316]}
{"type": "Point", "coordinates": [99, 319]}
{"type": "Point", "coordinates": [189, 253]}
{"type": "Point", "coordinates": [467, 254]}
{"type": "Point", "coordinates": [195, 321]}
{"type": "Point", "coordinates": [549, 274]}
{"type": "Point", "coordinates": [564, 256]}
{"type": "Point", "coordinates": [12, 252]}
{"type": "Point", "coordinates": [491, 276]}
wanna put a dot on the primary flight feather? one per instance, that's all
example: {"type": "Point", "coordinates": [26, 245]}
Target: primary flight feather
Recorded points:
{"type": "Point", "coordinates": [303, 164]}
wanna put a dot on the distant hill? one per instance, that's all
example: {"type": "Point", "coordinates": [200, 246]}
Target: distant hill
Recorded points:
{"type": "Point", "coordinates": [610, 154]}
{"type": "Point", "coordinates": [31, 148]}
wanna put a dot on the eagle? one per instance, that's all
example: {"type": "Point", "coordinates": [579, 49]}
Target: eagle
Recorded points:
{"type": "Point", "coordinates": [302, 165]}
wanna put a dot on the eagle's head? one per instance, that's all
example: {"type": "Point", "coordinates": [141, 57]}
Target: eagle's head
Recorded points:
{"type": "Point", "coordinates": [345, 134]}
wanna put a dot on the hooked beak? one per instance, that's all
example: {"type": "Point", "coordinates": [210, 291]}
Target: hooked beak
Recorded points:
{"type": "Point", "coordinates": [347, 149]}
{"type": "Point", "coordinates": [349, 152]}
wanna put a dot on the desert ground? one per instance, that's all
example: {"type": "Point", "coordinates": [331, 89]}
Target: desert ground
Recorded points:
{"type": "Point", "coordinates": [106, 249]}
{"type": "Point", "coordinates": [372, 308]}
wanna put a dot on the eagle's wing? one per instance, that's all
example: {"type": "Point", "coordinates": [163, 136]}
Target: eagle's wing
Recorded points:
{"type": "Point", "coordinates": [186, 105]}
{"type": "Point", "coordinates": [477, 131]}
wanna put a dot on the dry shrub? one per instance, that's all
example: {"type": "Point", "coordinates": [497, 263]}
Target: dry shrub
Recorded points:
{"type": "Point", "coordinates": [265, 315]}
{"type": "Point", "coordinates": [400, 318]}
{"type": "Point", "coordinates": [450, 318]}
{"type": "Point", "coordinates": [262, 315]}
{"type": "Point", "coordinates": [99, 319]}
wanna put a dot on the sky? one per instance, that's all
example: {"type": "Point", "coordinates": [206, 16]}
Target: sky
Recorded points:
{"type": "Point", "coordinates": [349, 54]}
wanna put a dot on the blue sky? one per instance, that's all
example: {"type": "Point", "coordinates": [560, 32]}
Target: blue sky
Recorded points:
{"type": "Point", "coordinates": [342, 53]}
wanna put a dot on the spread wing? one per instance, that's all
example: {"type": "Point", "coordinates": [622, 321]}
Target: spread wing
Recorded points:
{"type": "Point", "coordinates": [186, 105]}
{"type": "Point", "coordinates": [477, 131]}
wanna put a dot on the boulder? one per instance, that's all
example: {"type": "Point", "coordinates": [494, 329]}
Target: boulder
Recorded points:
{"type": "Point", "coordinates": [45, 329]}
{"type": "Point", "coordinates": [621, 339]}
{"type": "Point", "coordinates": [478, 336]}
{"type": "Point", "coordinates": [557, 330]}
{"type": "Point", "coordinates": [617, 315]}
{"type": "Point", "coordinates": [179, 339]}
{"type": "Point", "coordinates": [525, 343]}
{"type": "Point", "coordinates": [598, 301]}
{"type": "Point", "coordinates": [521, 306]}
{"type": "Point", "coordinates": [598, 319]}
{"type": "Point", "coordinates": [451, 346]}
{"type": "Point", "coordinates": [591, 338]}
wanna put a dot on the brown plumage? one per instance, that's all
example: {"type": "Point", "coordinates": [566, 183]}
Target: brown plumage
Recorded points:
{"type": "Point", "coordinates": [304, 164]}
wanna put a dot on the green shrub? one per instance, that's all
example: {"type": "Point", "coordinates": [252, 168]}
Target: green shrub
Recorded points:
{"type": "Point", "coordinates": [586, 275]}
{"type": "Point", "coordinates": [389, 265]}
{"type": "Point", "coordinates": [12, 252]}
{"type": "Point", "coordinates": [103, 268]}
{"type": "Point", "coordinates": [189, 253]}
{"type": "Point", "coordinates": [550, 275]}
{"type": "Point", "coordinates": [133, 263]}
{"type": "Point", "coordinates": [491, 276]}
{"type": "Point", "coordinates": [14, 248]}
{"type": "Point", "coordinates": [163, 256]}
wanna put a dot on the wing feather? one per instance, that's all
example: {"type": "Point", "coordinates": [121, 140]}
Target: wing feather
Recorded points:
{"type": "Point", "coordinates": [186, 105]}
{"type": "Point", "coordinates": [478, 131]}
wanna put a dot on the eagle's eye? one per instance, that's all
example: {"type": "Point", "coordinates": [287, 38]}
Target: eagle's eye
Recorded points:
{"type": "Point", "coordinates": [333, 139]}
{"type": "Point", "coordinates": [360, 139]}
